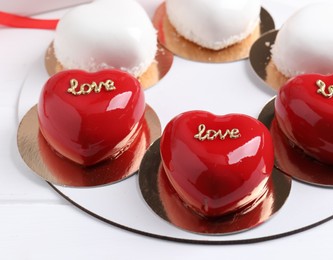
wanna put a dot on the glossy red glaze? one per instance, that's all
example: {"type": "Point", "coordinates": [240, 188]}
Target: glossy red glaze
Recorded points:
{"type": "Point", "coordinates": [178, 214]}
{"type": "Point", "coordinates": [291, 160]}
{"type": "Point", "coordinates": [91, 127]}
{"type": "Point", "coordinates": [306, 116]}
{"type": "Point", "coordinates": [65, 172]}
{"type": "Point", "coordinates": [217, 177]}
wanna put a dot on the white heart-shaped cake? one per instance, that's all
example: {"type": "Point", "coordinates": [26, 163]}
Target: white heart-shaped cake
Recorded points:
{"type": "Point", "coordinates": [304, 43]}
{"type": "Point", "coordinates": [214, 24]}
{"type": "Point", "coordinates": [106, 34]}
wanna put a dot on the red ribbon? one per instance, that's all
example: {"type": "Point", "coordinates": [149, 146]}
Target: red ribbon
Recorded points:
{"type": "Point", "coordinates": [18, 21]}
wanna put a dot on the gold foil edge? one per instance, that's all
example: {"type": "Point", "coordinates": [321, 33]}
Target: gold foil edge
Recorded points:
{"type": "Point", "coordinates": [292, 161]}
{"type": "Point", "coordinates": [166, 204]}
{"type": "Point", "coordinates": [157, 70]}
{"type": "Point", "coordinates": [181, 47]}
{"type": "Point", "coordinates": [43, 161]}
{"type": "Point", "coordinates": [262, 64]}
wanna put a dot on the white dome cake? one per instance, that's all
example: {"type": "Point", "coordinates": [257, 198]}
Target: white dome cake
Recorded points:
{"type": "Point", "coordinates": [106, 34]}
{"type": "Point", "coordinates": [214, 24]}
{"type": "Point", "coordinates": [304, 43]}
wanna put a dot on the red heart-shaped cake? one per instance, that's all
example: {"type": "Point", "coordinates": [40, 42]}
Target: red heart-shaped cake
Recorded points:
{"type": "Point", "coordinates": [304, 112]}
{"type": "Point", "coordinates": [217, 164]}
{"type": "Point", "coordinates": [88, 117]}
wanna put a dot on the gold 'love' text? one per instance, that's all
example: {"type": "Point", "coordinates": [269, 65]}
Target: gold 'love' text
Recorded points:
{"type": "Point", "coordinates": [328, 93]}
{"type": "Point", "coordinates": [87, 88]}
{"type": "Point", "coordinates": [210, 134]}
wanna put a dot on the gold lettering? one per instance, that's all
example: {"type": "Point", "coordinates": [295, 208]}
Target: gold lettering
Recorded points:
{"type": "Point", "coordinates": [87, 88]}
{"type": "Point", "coordinates": [201, 129]}
{"type": "Point", "coordinates": [211, 134]}
{"type": "Point", "coordinates": [322, 89]}
{"type": "Point", "coordinates": [73, 85]}
{"type": "Point", "coordinates": [108, 85]}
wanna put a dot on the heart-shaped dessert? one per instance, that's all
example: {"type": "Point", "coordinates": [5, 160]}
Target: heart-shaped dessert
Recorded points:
{"type": "Point", "coordinates": [217, 164]}
{"type": "Point", "coordinates": [214, 24]}
{"type": "Point", "coordinates": [303, 44]}
{"type": "Point", "coordinates": [304, 112]}
{"type": "Point", "coordinates": [106, 34]}
{"type": "Point", "coordinates": [88, 117]}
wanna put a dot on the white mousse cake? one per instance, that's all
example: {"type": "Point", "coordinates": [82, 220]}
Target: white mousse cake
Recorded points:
{"type": "Point", "coordinates": [214, 24]}
{"type": "Point", "coordinates": [304, 43]}
{"type": "Point", "coordinates": [106, 34]}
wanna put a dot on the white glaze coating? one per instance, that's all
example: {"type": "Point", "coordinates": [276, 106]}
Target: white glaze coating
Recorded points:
{"type": "Point", "coordinates": [214, 24]}
{"type": "Point", "coordinates": [305, 41]}
{"type": "Point", "coordinates": [106, 34]}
